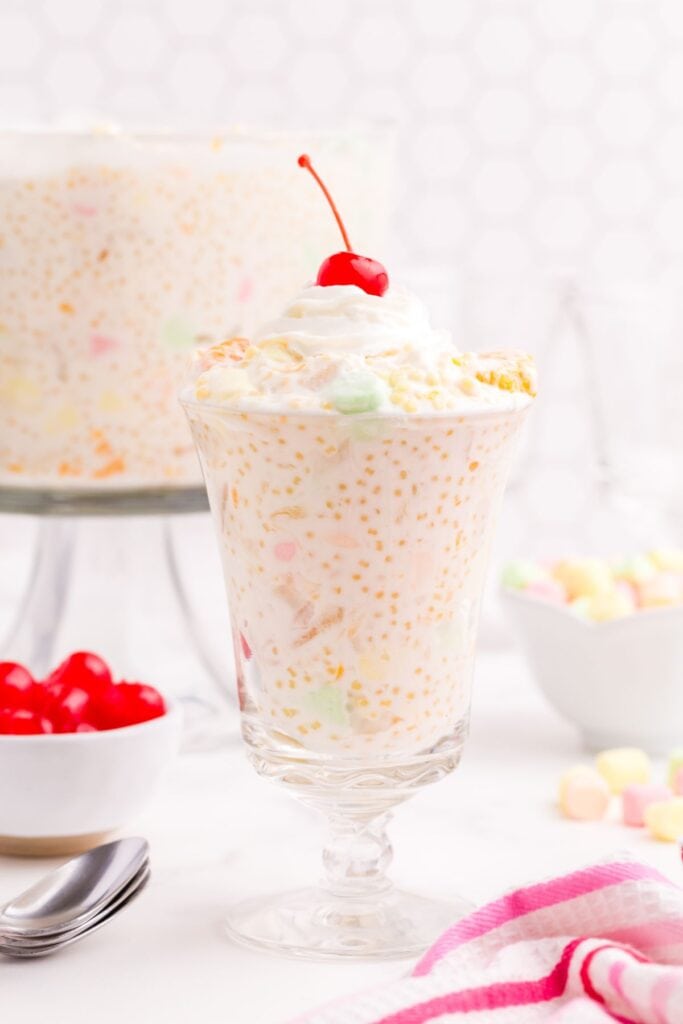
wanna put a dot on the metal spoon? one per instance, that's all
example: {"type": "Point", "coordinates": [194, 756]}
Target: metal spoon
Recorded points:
{"type": "Point", "coordinates": [25, 949]}
{"type": "Point", "coordinates": [47, 940]}
{"type": "Point", "coordinates": [78, 894]}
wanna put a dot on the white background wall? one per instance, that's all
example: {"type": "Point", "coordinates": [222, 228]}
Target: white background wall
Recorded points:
{"type": "Point", "coordinates": [534, 133]}
{"type": "Point", "coordinates": [537, 139]}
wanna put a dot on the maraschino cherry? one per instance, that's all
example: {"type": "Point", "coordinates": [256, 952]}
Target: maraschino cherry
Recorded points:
{"type": "Point", "coordinates": [347, 267]}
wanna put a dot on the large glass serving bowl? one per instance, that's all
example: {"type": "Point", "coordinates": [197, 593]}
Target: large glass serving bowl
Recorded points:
{"type": "Point", "coordinates": [354, 550]}
{"type": "Point", "coordinates": [119, 252]}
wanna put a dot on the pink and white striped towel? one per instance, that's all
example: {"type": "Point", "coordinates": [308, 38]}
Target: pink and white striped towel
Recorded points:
{"type": "Point", "coordinates": [602, 944]}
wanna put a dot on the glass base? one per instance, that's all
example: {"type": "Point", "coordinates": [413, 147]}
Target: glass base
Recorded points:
{"type": "Point", "coordinates": [315, 924]}
{"type": "Point", "coordinates": [47, 500]}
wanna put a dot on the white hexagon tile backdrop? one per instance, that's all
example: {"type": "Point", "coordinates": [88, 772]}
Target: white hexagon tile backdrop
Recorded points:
{"type": "Point", "coordinates": [539, 196]}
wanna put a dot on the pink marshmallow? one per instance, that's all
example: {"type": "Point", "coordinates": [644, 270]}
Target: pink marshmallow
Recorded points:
{"type": "Point", "coordinates": [547, 590]}
{"type": "Point", "coordinates": [100, 344]}
{"type": "Point", "coordinates": [285, 550]}
{"type": "Point", "coordinates": [245, 290]}
{"type": "Point", "coordinates": [678, 782]}
{"type": "Point", "coordinates": [639, 795]}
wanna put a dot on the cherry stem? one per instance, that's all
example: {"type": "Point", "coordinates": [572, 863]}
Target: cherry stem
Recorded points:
{"type": "Point", "coordinates": [305, 161]}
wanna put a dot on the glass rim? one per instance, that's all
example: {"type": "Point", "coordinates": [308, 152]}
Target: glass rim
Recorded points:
{"type": "Point", "coordinates": [226, 133]}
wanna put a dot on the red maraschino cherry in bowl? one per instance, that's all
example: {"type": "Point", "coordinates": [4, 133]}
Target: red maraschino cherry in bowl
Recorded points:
{"type": "Point", "coordinates": [80, 753]}
{"type": "Point", "coordinates": [78, 696]}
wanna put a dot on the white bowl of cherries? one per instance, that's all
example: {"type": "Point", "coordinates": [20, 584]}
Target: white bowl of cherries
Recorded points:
{"type": "Point", "coordinates": [80, 754]}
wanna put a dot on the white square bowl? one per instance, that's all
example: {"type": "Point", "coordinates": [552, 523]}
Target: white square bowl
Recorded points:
{"type": "Point", "coordinates": [620, 682]}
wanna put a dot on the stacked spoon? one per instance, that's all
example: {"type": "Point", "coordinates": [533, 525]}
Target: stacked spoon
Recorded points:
{"type": "Point", "coordinates": [75, 900]}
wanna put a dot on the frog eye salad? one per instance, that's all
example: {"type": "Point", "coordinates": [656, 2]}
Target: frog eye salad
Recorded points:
{"type": "Point", "coordinates": [354, 460]}
{"type": "Point", "coordinates": [119, 254]}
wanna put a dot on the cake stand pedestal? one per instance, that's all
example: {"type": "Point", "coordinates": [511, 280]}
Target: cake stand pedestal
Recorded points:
{"type": "Point", "coordinates": [107, 576]}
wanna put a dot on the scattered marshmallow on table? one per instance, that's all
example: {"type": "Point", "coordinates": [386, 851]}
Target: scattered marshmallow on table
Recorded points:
{"type": "Point", "coordinates": [675, 768]}
{"type": "Point", "coordinates": [584, 795]}
{"type": "Point", "coordinates": [622, 766]}
{"type": "Point", "coordinates": [664, 819]}
{"type": "Point", "coordinates": [638, 796]}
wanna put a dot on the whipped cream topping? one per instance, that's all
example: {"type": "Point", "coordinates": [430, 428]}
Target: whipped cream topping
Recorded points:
{"type": "Point", "coordinates": [344, 320]}
{"type": "Point", "coordinates": [337, 349]}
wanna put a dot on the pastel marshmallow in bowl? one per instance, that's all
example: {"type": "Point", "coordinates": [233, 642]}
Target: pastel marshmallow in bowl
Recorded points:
{"type": "Point", "coordinates": [65, 792]}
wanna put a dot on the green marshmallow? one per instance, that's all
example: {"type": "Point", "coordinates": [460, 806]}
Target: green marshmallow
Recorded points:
{"type": "Point", "coordinates": [328, 703]}
{"type": "Point", "coordinates": [356, 393]}
{"type": "Point", "coordinates": [636, 569]}
{"type": "Point", "coordinates": [519, 574]}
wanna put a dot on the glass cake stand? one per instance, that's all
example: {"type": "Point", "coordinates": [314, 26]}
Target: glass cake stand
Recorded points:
{"type": "Point", "coordinates": [109, 574]}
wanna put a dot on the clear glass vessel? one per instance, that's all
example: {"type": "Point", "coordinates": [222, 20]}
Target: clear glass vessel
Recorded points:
{"type": "Point", "coordinates": [120, 252]}
{"type": "Point", "coordinates": [354, 551]}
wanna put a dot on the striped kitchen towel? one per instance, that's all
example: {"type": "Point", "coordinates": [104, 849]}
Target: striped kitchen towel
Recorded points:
{"type": "Point", "coordinates": [602, 944]}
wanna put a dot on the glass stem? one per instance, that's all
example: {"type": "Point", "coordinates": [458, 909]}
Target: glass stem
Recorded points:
{"type": "Point", "coordinates": [357, 854]}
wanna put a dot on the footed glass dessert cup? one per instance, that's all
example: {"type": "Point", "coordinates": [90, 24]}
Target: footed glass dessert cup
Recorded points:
{"type": "Point", "coordinates": [354, 549]}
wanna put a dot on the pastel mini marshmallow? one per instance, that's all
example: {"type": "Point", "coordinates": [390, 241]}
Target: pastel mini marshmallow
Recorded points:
{"type": "Point", "coordinates": [661, 591]}
{"type": "Point", "coordinates": [678, 782]}
{"type": "Point", "coordinates": [519, 574]}
{"type": "Point", "coordinates": [549, 590]}
{"type": "Point", "coordinates": [601, 590]}
{"type": "Point", "coordinates": [675, 767]}
{"type": "Point", "coordinates": [669, 559]}
{"type": "Point", "coordinates": [583, 794]}
{"type": "Point", "coordinates": [584, 577]}
{"type": "Point", "coordinates": [635, 569]}
{"type": "Point", "coordinates": [622, 766]}
{"type": "Point", "coordinates": [664, 819]}
{"type": "Point", "coordinates": [612, 604]}
{"type": "Point", "coordinates": [637, 797]}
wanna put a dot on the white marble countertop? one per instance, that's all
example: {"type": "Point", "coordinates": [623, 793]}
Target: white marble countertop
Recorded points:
{"type": "Point", "coordinates": [219, 833]}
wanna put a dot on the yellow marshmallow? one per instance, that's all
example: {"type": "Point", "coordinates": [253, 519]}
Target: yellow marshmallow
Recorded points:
{"type": "Point", "coordinates": [670, 559]}
{"type": "Point", "coordinates": [110, 401]}
{"type": "Point", "coordinates": [610, 605]}
{"type": "Point", "coordinates": [373, 667]}
{"type": "Point", "coordinates": [622, 766]}
{"type": "Point", "coordinates": [584, 577]}
{"type": "Point", "coordinates": [664, 819]}
{"type": "Point", "coordinates": [64, 418]}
